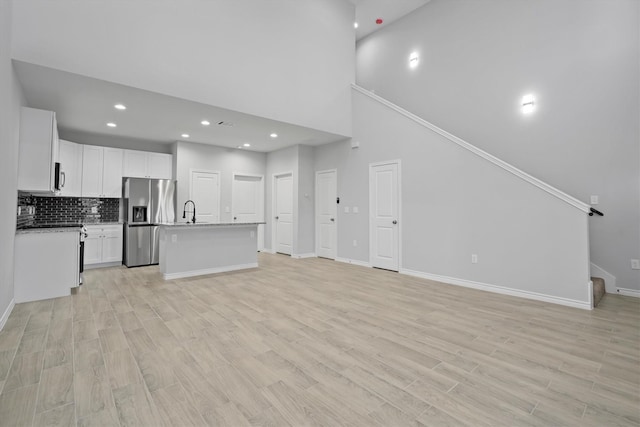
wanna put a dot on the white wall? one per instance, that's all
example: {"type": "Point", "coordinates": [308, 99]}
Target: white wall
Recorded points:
{"type": "Point", "coordinates": [581, 59]}
{"type": "Point", "coordinates": [11, 98]}
{"type": "Point", "coordinates": [455, 204]}
{"type": "Point", "coordinates": [189, 156]}
{"type": "Point", "coordinates": [306, 201]}
{"type": "Point", "coordinates": [287, 60]}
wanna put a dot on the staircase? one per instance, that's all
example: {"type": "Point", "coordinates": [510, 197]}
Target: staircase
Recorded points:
{"type": "Point", "coordinates": [598, 290]}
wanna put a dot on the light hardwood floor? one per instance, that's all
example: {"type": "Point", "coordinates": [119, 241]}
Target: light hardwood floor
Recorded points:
{"type": "Point", "coordinates": [314, 342]}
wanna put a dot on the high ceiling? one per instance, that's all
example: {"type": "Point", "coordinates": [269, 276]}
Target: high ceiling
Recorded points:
{"type": "Point", "coordinates": [85, 105]}
{"type": "Point", "coordinates": [368, 11]}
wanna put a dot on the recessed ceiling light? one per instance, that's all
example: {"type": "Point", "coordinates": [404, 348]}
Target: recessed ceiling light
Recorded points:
{"type": "Point", "coordinates": [111, 124]}
{"type": "Point", "coordinates": [355, 25]}
{"type": "Point", "coordinates": [120, 107]}
{"type": "Point", "coordinates": [185, 135]}
{"type": "Point", "coordinates": [274, 135]}
{"type": "Point", "coordinates": [246, 144]}
{"type": "Point", "coordinates": [205, 123]}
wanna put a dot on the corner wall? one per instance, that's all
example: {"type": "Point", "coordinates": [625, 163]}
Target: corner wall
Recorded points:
{"type": "Point", "coordinates": [11, 99]}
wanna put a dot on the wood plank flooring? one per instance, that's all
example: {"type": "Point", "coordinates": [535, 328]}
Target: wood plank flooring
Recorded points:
{"type": "Point", "coordinates": [314, 342]}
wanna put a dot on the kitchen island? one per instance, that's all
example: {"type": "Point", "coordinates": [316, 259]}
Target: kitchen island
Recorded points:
{"type": "Point", "coordinates": [188, 250]}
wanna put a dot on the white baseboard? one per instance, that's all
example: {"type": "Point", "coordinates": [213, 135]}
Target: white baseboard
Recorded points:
{"type": "Point", "coordinates": [629, 292]}
{"type": "Point", "coordinates": [609, 279]}
{"type": "Point", "coordinates": [7, 313]}
{"type": "Point", "coordinates": [103, 265]}
{"type": "Point", "coordinates": [268, 251]}
{"type": "Point", "coordinates": [307, 255]}
{"type": "Point", "coordinates": [585, 305]}
{"type": "Point", "coordinates": [182, 274]}
{"type": "Point", "coordinates": [354, 262]}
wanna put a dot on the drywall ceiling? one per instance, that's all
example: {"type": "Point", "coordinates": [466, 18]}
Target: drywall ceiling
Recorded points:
{"type": "Point", "coordinates": [367, 11]}
{"type": "Point", "coordinates": [85, 105]}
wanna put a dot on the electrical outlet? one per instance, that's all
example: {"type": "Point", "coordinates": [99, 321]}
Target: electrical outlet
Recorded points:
{"type": "Point", "coordinates": [355, 243]}
{"type": "Point", "coordinates": [594, 200]}
{"type": "Point", "coordinates": [474, 258]}
{"type": "Point", "coordinates": [174, 238]}
{"type": "Point", "coordinates": [227, 209]}
{"type": "Point", "coordinates": [346, 209]}
{"type": "Point", "coordinates": [94, 209]}
{"type": "Point", "coordinates": [19, 210]}
{"type": "Point", "coordinates": [253, 233]}
{"type": "Point", "coordinates": [356, 210]}
{"type": "Point", "coordinates": [635, 264]}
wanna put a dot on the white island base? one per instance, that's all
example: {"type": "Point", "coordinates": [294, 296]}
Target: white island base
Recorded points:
{"type": "Point", "coordinates": [188, 250]}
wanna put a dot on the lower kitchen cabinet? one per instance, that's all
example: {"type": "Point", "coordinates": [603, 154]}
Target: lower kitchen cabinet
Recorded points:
{"type": "Point", "coordinates": [103, 245]}
{"type": "Point", "coordinates": [46, 264]}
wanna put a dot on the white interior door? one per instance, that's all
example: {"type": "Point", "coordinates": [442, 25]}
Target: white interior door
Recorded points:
{"type": "Point", "coordinates": [326, 210]}
{"type": "Point", "coordinates": [247, 203]}
{"type": "Point", "coordinates": [283, 218]}
{"type": "Point", "coordinates": [384, 190]}
{"type": "Point", "coordinates": [205, 193]}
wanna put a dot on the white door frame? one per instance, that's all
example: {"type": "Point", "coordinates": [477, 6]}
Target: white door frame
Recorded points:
{"type": "Point", "coordinates": [371, 225]}
{"type": "Point", "coordinates": [191, 171]}
{"type": "Point", "coordinates": [262, 211]}
{"type": "Point", "coordinates": [317, 219]}
{"type": "Point", "coordinates": [274, 237]}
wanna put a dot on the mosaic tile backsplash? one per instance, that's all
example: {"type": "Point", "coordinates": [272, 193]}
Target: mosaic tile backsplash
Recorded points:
{"type": "Point", "coordinates": [39, 210]}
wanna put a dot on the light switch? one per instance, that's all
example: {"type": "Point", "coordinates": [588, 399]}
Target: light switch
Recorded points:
{"type": "Point", "coordinates": [174, 238]}
{"type": "Point", "coordinates": [346, 209]}
{"type": "Point", "coordinates": [355, 209]}
{"type": "Point", "coordinates": [227, 209]}
{"type": "Point", "coordinates": [94, 209]}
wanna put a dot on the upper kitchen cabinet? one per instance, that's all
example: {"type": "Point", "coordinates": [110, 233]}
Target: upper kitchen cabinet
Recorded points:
{"type": "Point", "coordinates": [38, 151]}
{"type": "Point", "coordinates": [141, 164]}
{"type": "Point", "coordinates": [70, 156]}
{"type": "Point", "coordinates": [101, 171]}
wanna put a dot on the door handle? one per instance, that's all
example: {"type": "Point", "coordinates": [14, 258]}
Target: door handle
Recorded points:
{"type": "Point", "coordinates": [234, 218]}
{"type": "Point", "coordinates": [277, 217]}
{"type": "Point", "coordinates": [395, 222]}
{"type": "Point", "coordinates": [332, 219]}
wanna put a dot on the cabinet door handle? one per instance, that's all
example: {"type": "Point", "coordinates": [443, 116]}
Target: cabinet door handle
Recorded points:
{"type": "Point", "coordinates": [333, 219]}
{"type": "Point", "coordinates": [395, 222]}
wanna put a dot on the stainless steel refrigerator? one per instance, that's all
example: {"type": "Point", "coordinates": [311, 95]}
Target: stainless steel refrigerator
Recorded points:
{"type": "Point", "coordinates": [147, 203]}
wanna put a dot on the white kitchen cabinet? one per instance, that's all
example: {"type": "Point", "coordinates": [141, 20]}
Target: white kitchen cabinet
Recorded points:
{"type": "Point", "coordinates": [46, 264]}
{"type": "Point", "coordinates": [38, 150]}
{"type": "Point", "coordinates": [141, 164]}
{"type": "Point", "coordinates": [103, 245]}
{"type": "Point", "coordinates": [101, 171]}
{"type": "Point", "coordinates": [70, 156]}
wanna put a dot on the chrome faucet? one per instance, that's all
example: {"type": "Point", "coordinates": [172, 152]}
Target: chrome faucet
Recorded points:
{"type": "Point", "coordinates": [184, 211]}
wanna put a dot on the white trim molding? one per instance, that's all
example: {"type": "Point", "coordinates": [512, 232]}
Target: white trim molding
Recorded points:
{"type": "Point", "coordinates": [7, 313]}
{"type": "Point", "coordinates": [182, 274]}
{"type": "Point", "coordinates": [301, 256]}
{"type": "Point", "coordinates": [629, 292]}
{"type": "Point", "coordinates": [609, 279]}
{"type": "Point", "coordinates": [354, 262]}
{"type": "Point", "coordinates": [481, 153]}
{"type": "Point", "coordinates": [585, 305]}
